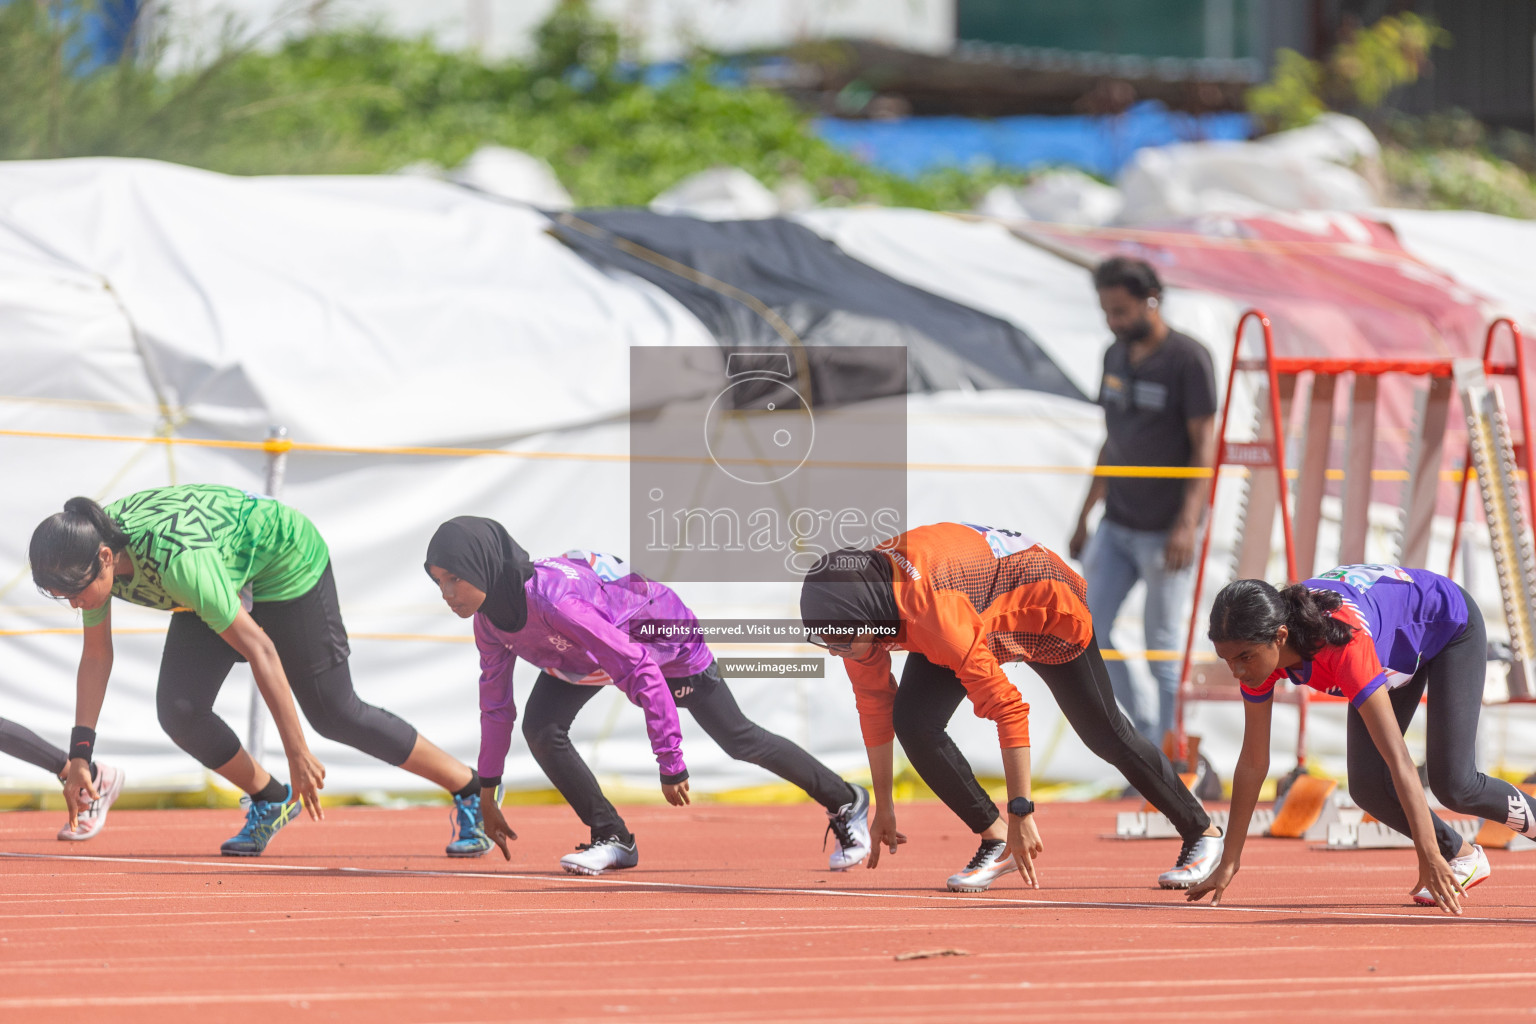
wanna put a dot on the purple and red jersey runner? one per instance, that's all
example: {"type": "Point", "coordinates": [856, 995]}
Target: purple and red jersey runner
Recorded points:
{"type": "Point", "coordinates": [1401, 619]}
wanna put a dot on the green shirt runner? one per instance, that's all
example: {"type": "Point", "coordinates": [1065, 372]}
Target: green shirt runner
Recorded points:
{"type": "Point", "coordinates": [199, 546]}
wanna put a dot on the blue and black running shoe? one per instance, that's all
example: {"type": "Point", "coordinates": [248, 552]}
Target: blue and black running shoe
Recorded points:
{"type": "Point", "coordinates": [469, 838]}
{"type": "Point", "coordinates": [262, 820]}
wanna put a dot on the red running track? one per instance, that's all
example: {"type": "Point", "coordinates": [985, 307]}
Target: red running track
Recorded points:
{"type": "Point", "coordinates": [731, 917]}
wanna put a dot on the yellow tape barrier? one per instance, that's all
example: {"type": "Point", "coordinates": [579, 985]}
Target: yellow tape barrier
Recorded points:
{"type": "Point", "coordinates": [281, 446]}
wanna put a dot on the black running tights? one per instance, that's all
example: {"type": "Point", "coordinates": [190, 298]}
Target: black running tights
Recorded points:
{"type": "Point", "coordinates": [552, 707]}
{"type": "Point", "coordinates": [1454, 680]}
{"type": "Point", "coordinates": [312, 644]}
{"type": "Point", "coordinates": [24, 744]}
{"type": "Point", "coordinates": [928, 695]}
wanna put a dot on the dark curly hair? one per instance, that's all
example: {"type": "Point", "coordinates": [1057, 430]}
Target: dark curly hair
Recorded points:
{"type": "Point", "coordinates": [1252, 611]}
{"type": "Point", "coordinates": [1136, 276]}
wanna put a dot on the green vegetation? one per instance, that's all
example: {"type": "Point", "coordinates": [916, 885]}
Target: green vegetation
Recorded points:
{"type": "Point", "coordinates": [1452, 162]}
{"type": "Point", "coordinates": [1355, 77]}
{"type": "Point", "coordinates": [357, 101]}
{"type": "Point", "coordinates": [1447, 161]}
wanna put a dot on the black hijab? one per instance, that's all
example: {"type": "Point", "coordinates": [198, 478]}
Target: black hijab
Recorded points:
{"type": "Point", "coordinates": [481, 553]}
{"type": "Point", "coordinates": [846, 588]}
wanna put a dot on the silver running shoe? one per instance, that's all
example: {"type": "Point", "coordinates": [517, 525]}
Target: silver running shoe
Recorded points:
{"type": "Point", "coordinates": [1197, 859]}
{"type": "Point", "coordinates": [603, 855]}
{"type": "Point", "coordinates": [850, 824]}
{"type": "Point", "coordinates": [987, 866]}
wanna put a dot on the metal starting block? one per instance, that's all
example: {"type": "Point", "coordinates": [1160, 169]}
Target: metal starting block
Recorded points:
{"type": "Point", "coordinates": [1154, 825]}
{"type": "Point", "coordinates": [1339, 809]}
{"type": "Point", "coordinates": [1373, 835]}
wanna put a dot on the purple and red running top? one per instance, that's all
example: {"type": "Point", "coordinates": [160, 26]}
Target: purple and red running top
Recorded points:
{"type": "Point", "coordinates": [1401, 619]}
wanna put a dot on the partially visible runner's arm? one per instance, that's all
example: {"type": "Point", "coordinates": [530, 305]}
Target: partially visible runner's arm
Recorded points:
{"type": "Point", "coordinates": [635, 672]}
{"type": "Point", "coordinates": [305, 771]}
{"type": "Point", "coordinates": [1247, 778]}
{"type": "Point", "coordinates": [1434, 873]}
{"type": "Point", "coordinates": [90, 692]}
{"type": "Point", "coordinates": [1024, 841]}
{"type": "Point", "coordinates": [498, 714]}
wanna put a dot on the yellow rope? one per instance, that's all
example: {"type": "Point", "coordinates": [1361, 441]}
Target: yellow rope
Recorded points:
{"type": "Point", "coordinates": [281, 446]}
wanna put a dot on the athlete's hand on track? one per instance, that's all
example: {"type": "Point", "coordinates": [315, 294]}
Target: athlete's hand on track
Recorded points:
{"type": "Point", "coordinates": [496, 828]}
{"type": "Point", "coordinates": [79, 790]}
{"type": "Point", "coordinates": [307, 776]}
{"type": "Point", "coordinates": [1025, 845]}
{"type": "Point", "coordinates": [1436, 876]}
{"type": "Point", "coordinates": [882, 832]}
{"type": "Point", "coordinates": [676, 795]}
{"type": "Point", "coordinates": [1217, 883]}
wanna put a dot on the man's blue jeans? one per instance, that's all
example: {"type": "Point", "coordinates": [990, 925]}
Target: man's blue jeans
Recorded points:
{"type": "Point", "coordinates": [1115, 558]}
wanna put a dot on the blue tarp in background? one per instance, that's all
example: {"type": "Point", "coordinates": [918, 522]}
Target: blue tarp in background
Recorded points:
{"type": "Point", "coordinates": [105, 30]}
{"type": "Point", "coordinates": [109, 29]}
{"type": "Point", "coordinates": [1098, 144]}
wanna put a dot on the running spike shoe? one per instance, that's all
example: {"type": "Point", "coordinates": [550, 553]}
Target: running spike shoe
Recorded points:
{"type": "Point", "coordinates": [850, 825]}
{"type": "Point", "coordinates": [262, 820]}
{"type": "Point", "coordinates": [1470, 870]}
{"type": "Point", "coordinates": [90, 820]}
{"type": "Point", "coordinates": [987, 866]}
{"type": "Point", "coordinates": [602, 855]}
{"type": "Point", "coordinates": [1197, 859]}
{"type": "Point", "coordinates": [469, 838]}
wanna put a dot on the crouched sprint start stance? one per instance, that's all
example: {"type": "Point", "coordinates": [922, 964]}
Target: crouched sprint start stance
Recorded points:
{"type": "Point", "coordinates": [1382, 636]}
{"type": "Point", "coordinates": [247, 579]}
{"type": "Point", "coordinates": [575, 619]}
{"type": "Point", "coordinates": [961, 600]}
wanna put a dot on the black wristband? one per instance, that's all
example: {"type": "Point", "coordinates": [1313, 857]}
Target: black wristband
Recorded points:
{"type": "Point", "coordinates": [82, 743]}
{"type": "Point", "coordinates": [672, 780]}
{"type": "Point", "coordinates": [490, 781]}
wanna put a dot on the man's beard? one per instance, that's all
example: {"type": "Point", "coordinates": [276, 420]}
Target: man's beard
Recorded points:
{"type": "Point", "coordinates": [1138, 331]}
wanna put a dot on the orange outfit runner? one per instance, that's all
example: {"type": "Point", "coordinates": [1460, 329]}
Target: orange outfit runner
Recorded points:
{"type": "Point", "coordinates": [971, 598]}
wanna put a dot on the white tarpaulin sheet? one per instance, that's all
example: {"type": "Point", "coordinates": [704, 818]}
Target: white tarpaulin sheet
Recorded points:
{"type": "Point", "coordinates": [139, 299]}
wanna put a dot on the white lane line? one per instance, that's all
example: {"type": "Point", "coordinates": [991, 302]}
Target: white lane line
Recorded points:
{"type": "Point", "coordinates": [967, 900]}
{"type": "Point", "coordinates": [1146, 989]}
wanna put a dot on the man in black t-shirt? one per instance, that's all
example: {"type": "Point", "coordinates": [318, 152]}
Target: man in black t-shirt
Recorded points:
{"type": "Point", "coordinates": [1159, 399]}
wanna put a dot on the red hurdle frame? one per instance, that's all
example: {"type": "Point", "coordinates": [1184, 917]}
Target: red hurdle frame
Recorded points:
{"type": "Point", "coordinates": [1269, 452]}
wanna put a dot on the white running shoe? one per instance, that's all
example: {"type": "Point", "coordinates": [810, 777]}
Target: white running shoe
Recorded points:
{"type": "Point", "coordinates": [850, 824]}
{"type": "Point", "coordinates": [604, 855]}
{"type": "Point", "coordinates": [109, 783]}
{"type": "Point", "coordinates": [986, 867]}
{"type": "Point", "coordinates": [1197, 859]}
{"type": "Point", "coordinates": [1470, 870]}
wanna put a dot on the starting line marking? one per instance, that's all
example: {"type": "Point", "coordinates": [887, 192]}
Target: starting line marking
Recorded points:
{"type": "Point", "coordinates": [968, 899]}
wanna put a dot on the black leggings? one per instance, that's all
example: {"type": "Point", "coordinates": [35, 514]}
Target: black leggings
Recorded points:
{"type": "Point", "coordinates": [929, 694]}
{"type": "Point", "coordinates": [1454, 679]}
{"type": "Point", "coordinates": [25, 745]}
{"type": "Point", "coordinates": [554, 703]}
{"type": "Point", "coordinates": [312, 644]}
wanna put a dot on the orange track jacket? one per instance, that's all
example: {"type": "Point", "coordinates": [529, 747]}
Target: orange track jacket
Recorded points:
{"type": "Point", "coordinates": [970, 598]}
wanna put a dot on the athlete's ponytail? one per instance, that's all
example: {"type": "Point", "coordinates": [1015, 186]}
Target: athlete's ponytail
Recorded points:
{"type": "Point", "coordinates": [1252, 611]}
{"type": "Point", "coordinates": [65, 546]}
